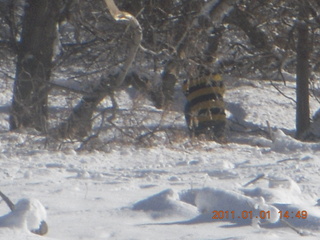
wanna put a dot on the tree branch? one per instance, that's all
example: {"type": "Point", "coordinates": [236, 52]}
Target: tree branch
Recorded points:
{"type": "Point", "coordinates": [7, 201]}
{"type": "Point", "coordinates": [137, 38]}
{"type": "Point", "coordinates": [79, 123]}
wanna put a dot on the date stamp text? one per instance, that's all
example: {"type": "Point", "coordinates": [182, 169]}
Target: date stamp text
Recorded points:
{"type": "Point", "coordinates": [223, 215]}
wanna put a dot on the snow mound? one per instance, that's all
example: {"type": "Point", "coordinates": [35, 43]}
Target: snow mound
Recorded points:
{"type": "Point", "coordinates": [280, 190]}
{"type": "Point", "coordinates": [214, 199]}
{"type": "Point", "coordinates": [221, 205]}
{"type": "Point", "coordinates": [273, 215]}
{"type": "Point", "coordinates": [286, 144]}
{"type": "Point", "coordinates": [244, 210]}
{"type": "Point", "coordinates": [164, 204]}
{"type": "Point", "coordinates": [28, 215]}
{"type": "Point", "coordinates": [18, 234]}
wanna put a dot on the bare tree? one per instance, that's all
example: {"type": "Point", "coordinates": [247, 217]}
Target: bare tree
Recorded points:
{"type": "Point", "coordinates": [105, 53]}
{"type": "Point", "coordinates": [303, 72]}
{"type": "Point", "coordinates": [33, 70]}
{"type": "Point", "coordinates": [79, 123]}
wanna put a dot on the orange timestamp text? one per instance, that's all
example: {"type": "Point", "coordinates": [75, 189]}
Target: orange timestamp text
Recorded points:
{"type": "Point", "coordinates": [257, 214]}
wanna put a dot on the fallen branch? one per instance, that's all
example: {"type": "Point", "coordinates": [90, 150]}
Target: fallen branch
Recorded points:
{"type": "Point", "coordinates": [7, 201]}
{"type": "Point", "coordinates": [254, 180]}
{"type": "Point", "coordinates": [288, 159]}
{"type": "Point", "coordinates": [299, 231]}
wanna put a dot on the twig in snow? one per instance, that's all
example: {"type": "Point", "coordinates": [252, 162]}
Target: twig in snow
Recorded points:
{"type": "Point", "coordinates": [271, 136]}
{"type": "Point", "coordinates": [7, 201]}
{"type": "Point", "coordinates": [254, 180]}
{"type": "Point", "coordinates": [299, 231]}
{"type": "Point", "coordinates": [288, 159]}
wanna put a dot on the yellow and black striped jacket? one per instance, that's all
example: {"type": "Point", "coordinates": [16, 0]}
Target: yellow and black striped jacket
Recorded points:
{"type": "Point", "coordinates": [205, 110]}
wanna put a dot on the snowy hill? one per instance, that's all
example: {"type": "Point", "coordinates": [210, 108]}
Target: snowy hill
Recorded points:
{"type": "Point", "coordinates": [184, 190]}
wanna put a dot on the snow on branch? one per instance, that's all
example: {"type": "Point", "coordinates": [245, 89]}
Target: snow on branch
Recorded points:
{"type": "Point", "coordinates": [115, 12]}
{"type": "Point", "coordinates": [79, 123]}
{"type": "Point", "coordinates": [137, 37]}
{"type": "Point", "coordinates": [216, 10]}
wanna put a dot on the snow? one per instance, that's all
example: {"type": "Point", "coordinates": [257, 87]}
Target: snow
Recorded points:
{"type": "Point", "coordinates": [169, 191]}
{"type": "Point", "coordinates": [27, 214]}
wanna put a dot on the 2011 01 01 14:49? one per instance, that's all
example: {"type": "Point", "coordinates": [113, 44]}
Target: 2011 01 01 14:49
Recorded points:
{"type": "Point", "coordinates": [259, 214]}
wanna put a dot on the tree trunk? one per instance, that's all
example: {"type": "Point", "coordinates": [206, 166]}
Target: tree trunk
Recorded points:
{"type": "Point", "coordinates": [33, 70]}
{"type": "Point", "coordinates": [302, 91]}
{"type": "Point", "coordinates": [79, 123]}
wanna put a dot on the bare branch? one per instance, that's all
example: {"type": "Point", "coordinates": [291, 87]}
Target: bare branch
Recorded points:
{"type": "Point", "coordinates": [137, 38]}
{"type": "Point", "coordinates": [298, 231]}
{"type": "Point", "coordinates": [79, 123]}
{"type": "Point", "coordinates": [254, 180]}
{"type": "Point", "coordinates": [115, 12]}
{"type": "Point", "coordinates": [282, 92]}
{"type": "Point", "coordinates": [68, 88]}
{"type": "Point", "coordinates": [7, 201]}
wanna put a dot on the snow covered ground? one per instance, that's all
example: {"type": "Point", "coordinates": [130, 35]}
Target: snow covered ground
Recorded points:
{"type": "Point", "coordinates": [184, 190]}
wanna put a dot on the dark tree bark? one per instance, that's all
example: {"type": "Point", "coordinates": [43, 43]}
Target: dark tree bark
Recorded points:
{"type": "Point", "coordinates": [213, 43]}
{"type": "Point", "coordinates": [169, 80]}
{"type": "Point", "coordinates": [257, 37]}
{"type": "Point", "coordinates": [30, 94]}
{"type": "Point", "coordinates": [303, 73]}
